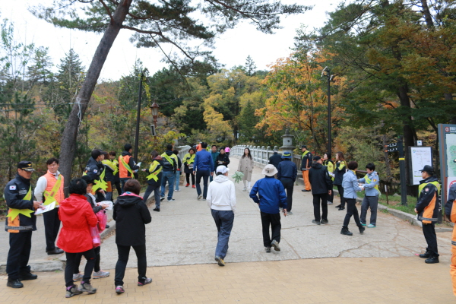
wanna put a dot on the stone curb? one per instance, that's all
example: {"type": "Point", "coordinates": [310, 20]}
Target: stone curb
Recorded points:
{"type": "Point", "coordinates": [58, 263]}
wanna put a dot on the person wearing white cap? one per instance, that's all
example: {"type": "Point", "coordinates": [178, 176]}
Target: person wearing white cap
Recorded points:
{"type": "Point", "coordinates": [269, 194]}
{"type": "Point", "coordinates": [221, 198]}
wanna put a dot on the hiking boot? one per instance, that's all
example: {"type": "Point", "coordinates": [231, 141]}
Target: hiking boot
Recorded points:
{"type": "Point", "coordinates": [120, 290]}
{"type": "Point", "coordinates": [156, 209]}
{"type": "Point", "coordinates": [425, 255]}
{"type": "Point", "coordinates": [145, 281]}
{"type": "Point", "coordinates": [28, 276]}
{"type": "Point", "coordinates": [345, 231]}
{"type": "Point", "coordinates": [267, 249]}
{"type": "Point", "coordinates": [275, 244]}
{"type": "Point", "coordinates": [100, 274]}
{"type": "Point", "coordinates": [72, 291]}
{"type": "Point", "coordinates": [16, 283]}
{"type": "Point", "coordinates": [86, 287]}
{"type": "Point", "coordinates": [324, 221]}
{"type": "Point", "coordinates": [77, 277]}
{"type": "Point", "coordinates": [371, 226]}
{"type": "Point", "coordinates": [432, 260]}
{"type": "Point", "coordinates": [361, 229]}
{"type": "Point", "coordinates": [316, 222]}
{"type": "Point", "coordinates": [220, 261]}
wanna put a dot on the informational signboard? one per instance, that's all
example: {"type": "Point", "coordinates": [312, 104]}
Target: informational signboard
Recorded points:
{"type": "Point", "coordinates": [447, 147]}
{"type": "Point", "coordinates": [419, 157]}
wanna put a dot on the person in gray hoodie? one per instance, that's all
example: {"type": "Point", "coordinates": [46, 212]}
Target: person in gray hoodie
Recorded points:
{"type": "Point", "coordinates": [221, 198]}
{"type": "Point", "coordinates": [370, 183]}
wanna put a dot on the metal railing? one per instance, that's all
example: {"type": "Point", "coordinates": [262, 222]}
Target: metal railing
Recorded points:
{"type": "Point", "coordinates": [261, 154]}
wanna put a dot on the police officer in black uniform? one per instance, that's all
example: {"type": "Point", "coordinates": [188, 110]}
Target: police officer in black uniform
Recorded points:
{"type": "Point", "coordinates": [94, 168]}
{"type": "Point", "coordinates": [20, 223]}
{"type": "Point", "coordinates": [287, 174]}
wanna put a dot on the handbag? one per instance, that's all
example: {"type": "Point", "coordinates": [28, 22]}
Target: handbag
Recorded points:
{"type": "Point", "coordinates": [96, 240]}
{"type": "Point", "coordinates": [102, 220]}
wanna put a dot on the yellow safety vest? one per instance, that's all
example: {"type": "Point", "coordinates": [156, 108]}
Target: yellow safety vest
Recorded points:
{"type": "Point", "coordinates": [100, 184]}
{"type": "Point", "coordinates": [171, 159]}
{"type": "Point", "coordinates": [189, 159]}
{"type": "Point", "coordinates": [115, 164]}
{"type": "Point", "coordinates": [435, 183]}
{"type": "Point", "coordinates": [50, 196]}
{"type": "Point", "coordinates": [154, 170]}
{"type": "Point", "coordinates": [368, 181]}
{"type": "Point", "coordinates": [14, 213]}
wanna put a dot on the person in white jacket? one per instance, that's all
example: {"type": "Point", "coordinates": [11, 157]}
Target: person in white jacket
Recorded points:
{"type": "Point", "coordinates": [221, 198]}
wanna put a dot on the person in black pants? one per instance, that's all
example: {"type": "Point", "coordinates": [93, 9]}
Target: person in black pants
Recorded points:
{"type": "Point", "coordinates": [287, 173]}
{"type": "Point", "coordinates": [339, 172]}
{"type": "Point", "coordinates": [351, 186]}
{"type": "Point", "coordinates": [154, 176]}
{"type": "Point", "coordinates": [131, 215]}
{"type": "Point", "coordinates": [321, 187]}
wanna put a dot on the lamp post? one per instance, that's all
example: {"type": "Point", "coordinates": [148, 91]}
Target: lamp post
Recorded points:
{"type": "Point", "coordinates": [154, 107]}
{"type": "Point", "coordinates": [327, 73]}
{"type": "Point", "coordinates": [138, 117]}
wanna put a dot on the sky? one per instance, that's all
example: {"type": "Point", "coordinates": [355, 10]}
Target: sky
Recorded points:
{"type": "Point", "coordinates": [231, 48]}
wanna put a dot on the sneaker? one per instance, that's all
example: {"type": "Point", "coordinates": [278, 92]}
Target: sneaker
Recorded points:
{"type": "Point", "coordinates": [146, 281]}
{"type": "Point", "coordinates": [100, 274]}
{"type": "Point", "coordinates": [316, 222]}
{"type": "Point", "coordinates": [289, 213]}
{"type": "Point", "coordinates": [204, 199]}
{"type": "Point", "coordinates": [162, 199]}
{"type": "Point", "coordinates": [16, 283]}
{"type": "Point", "coordinates": [86, 287]}
{"type": "Point", "coordinates": [425, 255]}
{"type": "Point", "coordinates": [364, 224]}
{"type": "Point", "coordinates": [28, 276]}
{"type": "Point", "coordinates": [200, 197]}
{"type": "Point", "coordinates": [177, 190]}
{"type": "Point", "coordinates": [345, 231]}
{"type": "Point", "coordinates": [248, 189]}
{"type": "Point", "coordinates": [324, 221]}
{"type": "Point", "coordinates": [330, 203]}
{"type": "Point", "coordinates": [341, 209]}
{"type": "Point", "coordinates": [193, 186]}
{"type": "Point", "coordinates": [371, 226]}
{"type": "Point", "coordinates": [275, 244]}
{"type": "Point", "coordinates": [338, 206]}
{"type": "Point", "coordinates": [187, 185]}
{"type": "Point", "coordinates": [77, 276]}
{"type": "Point", "coordinates": [244, 189]}
{"type": "Point", "coordinates": [267, 249]}
{"type": "Point", "coordinates": [220, 261]}
{"type": "Point", "coordinates": [432, 260]}
{"type": "Point", "coordinates": [72, 291]}
{"type": "Point", "coordinates": [156, 209]}
{"type": "Point", "coordinates": [171, 200]}
{"type": "Point", "coordinates": [306, 190]}
{"type": "Point", "coordinates": [120, 289]}
{"type": "Point", "coordinates": [361, 229]}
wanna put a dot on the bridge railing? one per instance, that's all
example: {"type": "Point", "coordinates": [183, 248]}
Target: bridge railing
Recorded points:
{"type": "Point", "coordinates": [261, 154]}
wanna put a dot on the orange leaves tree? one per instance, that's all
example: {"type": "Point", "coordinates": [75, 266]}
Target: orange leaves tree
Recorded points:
{"type": "Point", "coordinates": [298, 100]}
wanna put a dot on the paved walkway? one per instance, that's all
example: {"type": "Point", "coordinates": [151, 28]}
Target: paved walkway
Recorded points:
{"type": "Point", "coordinates": [317, 264]}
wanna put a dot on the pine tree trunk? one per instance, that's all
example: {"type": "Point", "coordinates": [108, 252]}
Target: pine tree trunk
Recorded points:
{"type": "Point", "coordinates": [68, 143]}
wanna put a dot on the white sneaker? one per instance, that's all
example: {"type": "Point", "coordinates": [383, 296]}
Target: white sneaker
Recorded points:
{"type": "Point", "coordinates": [244, 189]}
{"type": "Point", "coordinates": [77, 276]}
{"type": "Point", "coordinates": [100, 274]}
{"type": "Point", "coordinates": [200, 197]}
{"type": "Point", "coordinates": [248, 189]}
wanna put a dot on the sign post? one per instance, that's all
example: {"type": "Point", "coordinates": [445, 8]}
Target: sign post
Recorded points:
{"type": "Point", "coordinates": [399, 147]}
{"type": "Point", "coordinates": [447, 150]}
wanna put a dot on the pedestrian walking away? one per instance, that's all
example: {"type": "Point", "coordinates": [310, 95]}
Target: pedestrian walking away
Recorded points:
{"type": "Point", "coordinates": [287, 172]}
{"type": "Point", "coordinates": [321, 188]}
{"type": "Point", "coordinates": [203, 168]}
{"type": "Point", "coordinates": [351, 186]}
{"type": "Point", "coordinates": [214, 155]}
{"type": "Point", "coordinates": [169, 165]}
{"type": "Point", "coordinates": [339, 171]}
{"type": "Point", "coordinates": [20, 222]}
{"type": "Point", "coordinates": [270, 196]}
{"type": "Point", "coordinates": [154, 177]}
{"type": "Point", "coordinates": [127, 165]}
{"type": "Point", "coordinates": [450, 214]}
{"type": "Point", "coordinates": [222, 159]}
{"type": "Point", "coordinates": [428, 207]}
{"type": "Point", "coordinates": [109, 169]}
{"type": "Point", "coordinates": [189, 160]}
{"type": "Point", "coordinates": [328, 163]}
{"type": "Point", "coordinates": [115, 164]}
{"type": "Point", "coordinates": [246, 167]}
{"type": "Point", "coordinates": [370, 183]}
{"type": "Point", "coordinates": [49, 189]}
{"type": "Point", "coordinates": [306, 163]}
{"type": "Point", "coordinates": [178, 170]}
{"type": "Point", "coordinates": [75, 237]}
{"type": "Point", "coordinates": [131, 215]}
{"type": "Point", "coordinates": [221, 198]}
{"type": "Point", "coordinates": [275, 158]}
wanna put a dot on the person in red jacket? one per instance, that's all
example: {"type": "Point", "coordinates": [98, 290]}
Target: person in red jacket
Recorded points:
{"type": "Point", "coordinates": [77, 217]}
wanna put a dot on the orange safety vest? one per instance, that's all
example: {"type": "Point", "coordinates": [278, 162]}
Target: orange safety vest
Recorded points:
{"type": "Point", "coordinates": [124, 172]}
{"type": "Point", "coordinates": [51, 180]}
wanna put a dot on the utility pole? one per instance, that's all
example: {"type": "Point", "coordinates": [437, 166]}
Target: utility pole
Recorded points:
{"type": "Point", "coordinates": [138, 117]}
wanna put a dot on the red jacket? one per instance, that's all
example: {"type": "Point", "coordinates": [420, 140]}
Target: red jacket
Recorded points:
{"type": "Point", "coordinates": [76, 216]}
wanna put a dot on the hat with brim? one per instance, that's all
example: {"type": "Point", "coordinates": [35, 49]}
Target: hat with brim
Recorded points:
{"type": "Point", "coordinates": [286, 155]}
{"type": "Point", "coordinates": [269, 170]}
{"type": "Point", "coordinates": [427, 169]}
{"type": "Point", "coordinates": [25, 165]}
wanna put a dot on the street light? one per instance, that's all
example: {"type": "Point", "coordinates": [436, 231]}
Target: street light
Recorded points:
{"type": "Point", "coordinates": [154, 107]}
{"type": "Point", "coordinates": [327, 73]}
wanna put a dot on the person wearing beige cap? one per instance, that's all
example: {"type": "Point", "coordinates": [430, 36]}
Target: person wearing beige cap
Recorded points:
{"type": "Point", "coordinates": [269, 194]}
{"type": "Point", "coordinates": [221, 198]}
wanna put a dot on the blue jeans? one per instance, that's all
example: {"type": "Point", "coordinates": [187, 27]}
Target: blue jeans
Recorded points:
{"type": "Point", "coordinates": [178, 174]}
{"type": "Point", "coordinates": [168, 176]}
{"type": "Point", "coordinates": [224, 222]}
{"type": "Point", "coordinates": [156, 189]}
{"type": "Point", "coordinates": [205, 175]}
{"type": "Point", "coordinates": [122, 183]}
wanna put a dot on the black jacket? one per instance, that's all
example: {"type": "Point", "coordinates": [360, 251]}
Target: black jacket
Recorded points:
{"type": "Point", "coordinates": [287, 169]}
{"type": "Point", "coordinates": [428, 204]}
{"type": "Point", "coordinates": [167, 166]}
{"type": "Point", "coordinates": [275, 159]}
{"type": "Point", "coordinates": [93, 204]}
{"type": "Point", "coordinates": [319, 179]}
{"type": "Point", "coordinates": [222, 158]}
{"type": "Point", "coordinates": [159, 175]}
{"type": "Point", "coordinates": [131, 214]}
{"type": "Point", "coordinates": [306, 161]}
{"type": "Point", "coordinates": [339, 171]}
{"type": "Point", "coordinates": [94, 168]}
{"type": "Point", "coordinates": [131, 163]}
{"type": "Point", "coordinates": [14, 193]}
